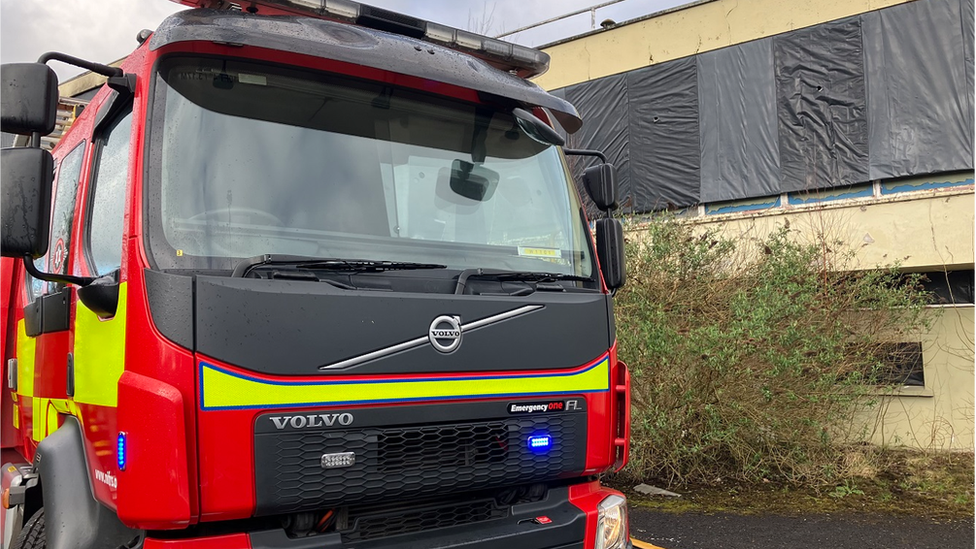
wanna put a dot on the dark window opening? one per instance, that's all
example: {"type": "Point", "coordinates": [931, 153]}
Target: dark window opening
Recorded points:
{"type": "Point", "coordinates": [898, 364]}
{"type": "Point", "coordinates": [949, 287]}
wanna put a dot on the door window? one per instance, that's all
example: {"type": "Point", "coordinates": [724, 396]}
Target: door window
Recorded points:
{"type": "Point", "coordinates": [108, 201]}
{"type": "Point", "coordinates": [62, 213]}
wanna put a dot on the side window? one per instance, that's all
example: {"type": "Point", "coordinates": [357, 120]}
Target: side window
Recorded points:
{"type": "Point", "coordinates": [108, 201]}
{"type": "Point", "coordinates": [62, 214]}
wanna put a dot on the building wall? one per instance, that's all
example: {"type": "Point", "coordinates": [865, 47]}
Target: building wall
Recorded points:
{"type": "Point", "coordinates": [881, 95]}
{"type": "Point", "coordinates": [920, 220]}
{"type": "Point", "coordinates": [927, 230]}
{"type": "Point", "coordinates": [695, 29]}
{"type": "Point", "coordinates": [938, 416]}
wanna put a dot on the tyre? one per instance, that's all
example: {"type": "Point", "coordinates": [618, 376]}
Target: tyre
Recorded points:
{"type": "Point", "coordinates": [32, 536]}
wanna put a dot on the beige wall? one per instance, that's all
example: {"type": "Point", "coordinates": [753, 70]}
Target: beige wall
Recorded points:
{"type": "Point", "coordinates": [920, 231]}
{"type": "Point", "coordinates": [695, 29]}
{"type": "Point", "coordinates": [925, 230]}
{"type": "Point", "coordinates": [940, 416]}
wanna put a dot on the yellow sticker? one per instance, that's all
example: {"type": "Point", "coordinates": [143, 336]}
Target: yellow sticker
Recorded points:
{"type": "Point", "coordinates": [548, 253]}
{"type": "Point", "coordinates": [179, 253]}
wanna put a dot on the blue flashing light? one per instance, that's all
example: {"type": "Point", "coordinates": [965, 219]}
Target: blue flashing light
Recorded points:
{"type": "Point", "coordinates": [540, 443]}
{"type": "Point", "coordinates": [120, 451]}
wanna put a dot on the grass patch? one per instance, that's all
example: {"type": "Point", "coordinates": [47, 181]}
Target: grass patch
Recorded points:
{"type": "Point", "coordinates": [932, 486]}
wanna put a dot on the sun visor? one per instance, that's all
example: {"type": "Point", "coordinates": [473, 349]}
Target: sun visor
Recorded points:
{"type": "Point", "coordinates": [362, 46]}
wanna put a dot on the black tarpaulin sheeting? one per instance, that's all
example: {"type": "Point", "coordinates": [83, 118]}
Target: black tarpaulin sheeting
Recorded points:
{"type": "Point", "coordinates": [919, 114]}
{"type": "Point", "coordinates": [665, 156]}
{"type": "Point", "coordinates": [603, 106]}
{"type": "Point", "coordinates": [967, 48]}
{"type": "Point", "coordinates": [820, 95]}
{"type": "Point", "coordinates": [737, 118]}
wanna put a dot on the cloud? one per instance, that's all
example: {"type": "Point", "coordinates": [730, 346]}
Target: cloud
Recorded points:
{"type": "Point", "coordinates": [105, 30]}
{"type": "Point", "coordinates": [96, 30]}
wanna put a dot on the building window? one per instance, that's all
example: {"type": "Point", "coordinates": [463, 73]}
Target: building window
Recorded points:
{"type": "Point", "coordinates": [898, 364]}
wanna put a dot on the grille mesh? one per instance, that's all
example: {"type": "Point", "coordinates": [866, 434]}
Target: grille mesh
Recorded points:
{"type": "Point", "coordinates": [412, 461]}
{"type": "Point", "coordinates": [371, 526]}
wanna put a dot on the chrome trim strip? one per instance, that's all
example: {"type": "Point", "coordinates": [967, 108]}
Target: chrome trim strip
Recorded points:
{"type": "Point", "coordinates": [417, 342]}
{"type": "Point", "coordinates": [499, 317]}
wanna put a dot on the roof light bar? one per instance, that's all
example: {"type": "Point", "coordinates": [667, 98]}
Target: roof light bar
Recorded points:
{"type": "Point", "coordinates": [523, 61]}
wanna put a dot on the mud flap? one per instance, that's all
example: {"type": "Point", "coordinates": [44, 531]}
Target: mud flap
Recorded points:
{"type": "Point", "coordinates": [74, 519]}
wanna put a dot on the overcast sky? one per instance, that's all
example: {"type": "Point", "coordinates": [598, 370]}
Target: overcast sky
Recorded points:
{"type": "Point", "coordinates": [105, 30]}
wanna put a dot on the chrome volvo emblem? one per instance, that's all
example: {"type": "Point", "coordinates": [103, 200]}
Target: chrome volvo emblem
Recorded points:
{"type": "Point", "coordinates": [445, 333]}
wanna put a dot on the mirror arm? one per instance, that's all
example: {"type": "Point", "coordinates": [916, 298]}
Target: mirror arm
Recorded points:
{"type": "Point", "coordinates": [586, 152]}
{"type": "Point", "coordinates": [97, 68]}
{"type": "Point", "coordinates": [50, 277]}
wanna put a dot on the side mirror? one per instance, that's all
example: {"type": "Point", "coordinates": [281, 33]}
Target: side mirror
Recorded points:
{"type": "Point", "coordinates": [26, 177]}
{"type": "Point", "coordinates": [601, 185]}
{"type": "Point", "coordinates": [28, 98]}
{"type": "Point", "coordinates": [610, 251]}
{"type": "Point", "coordinates": [101, 296]}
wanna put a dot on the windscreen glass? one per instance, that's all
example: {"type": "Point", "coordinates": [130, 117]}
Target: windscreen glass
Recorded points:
{"type": "Point", "coordinates": [252, 159]}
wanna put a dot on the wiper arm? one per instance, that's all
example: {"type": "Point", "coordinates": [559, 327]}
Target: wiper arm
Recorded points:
{"type": "Point", "coordinates": [245, 266]}
{"type": "Point", "coordinates": [521, 276]}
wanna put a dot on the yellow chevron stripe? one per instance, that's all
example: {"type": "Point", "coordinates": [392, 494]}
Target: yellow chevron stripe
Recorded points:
{"type": "Point", "coordinates": [224, 390]}
{"type": "Point", "coordinates": [25, 361]}
{"type": "Point", "coordinates": [99, 354]}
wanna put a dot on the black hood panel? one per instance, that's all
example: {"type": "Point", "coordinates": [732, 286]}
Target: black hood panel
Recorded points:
{"type": "Point", "coordinates": [294, 328]}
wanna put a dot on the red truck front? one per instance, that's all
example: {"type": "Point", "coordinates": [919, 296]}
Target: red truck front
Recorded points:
{"type": "Point", "coordinates": [317, 276]}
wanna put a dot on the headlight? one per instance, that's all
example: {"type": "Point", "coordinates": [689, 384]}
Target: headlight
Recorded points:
{"type": "Point", "coordinates": [611, 526]}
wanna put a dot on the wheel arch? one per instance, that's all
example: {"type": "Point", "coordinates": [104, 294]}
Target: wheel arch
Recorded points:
{"type": "Point", "coordinates": [74, 519]}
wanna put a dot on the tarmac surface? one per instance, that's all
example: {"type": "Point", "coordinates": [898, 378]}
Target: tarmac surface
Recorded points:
{"type": "Point", "coordinates": [726, 531]}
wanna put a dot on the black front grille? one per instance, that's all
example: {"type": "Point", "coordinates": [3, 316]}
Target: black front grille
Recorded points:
{"type": "Point", "coordinates": [365, 524]}
{"type": "Point", "coordinates": [412, 461]}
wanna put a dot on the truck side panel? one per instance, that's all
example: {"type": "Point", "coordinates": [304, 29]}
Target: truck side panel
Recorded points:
{"type": "Point", "coordinates": [8, 340]}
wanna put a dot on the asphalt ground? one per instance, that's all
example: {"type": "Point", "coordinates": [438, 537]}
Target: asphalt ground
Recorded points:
{"type": "Point", "coordinates": [662, 530]}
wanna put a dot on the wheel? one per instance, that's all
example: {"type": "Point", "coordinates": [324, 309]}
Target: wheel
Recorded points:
{"type": "Point", "coordinates": [32, 536]}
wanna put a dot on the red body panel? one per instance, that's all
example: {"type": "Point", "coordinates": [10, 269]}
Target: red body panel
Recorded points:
{"type": "Point", "coordinates": [151, 416]}
{"type": "Point", "coordinates": [230, 541]}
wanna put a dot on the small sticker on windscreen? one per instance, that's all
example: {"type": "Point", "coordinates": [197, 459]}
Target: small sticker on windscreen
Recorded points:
{"type": "Point", "coordinates": [256, 79]}
{"type": "Point", "coordinates": [548, 253]}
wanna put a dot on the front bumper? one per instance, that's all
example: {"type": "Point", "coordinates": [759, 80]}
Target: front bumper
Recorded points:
{"type": "Point", "coordinates": [565, 519]}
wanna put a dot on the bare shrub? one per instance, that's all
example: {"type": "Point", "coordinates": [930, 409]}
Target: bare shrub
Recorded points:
{"type": "Point", "coordinates": [750, 361]}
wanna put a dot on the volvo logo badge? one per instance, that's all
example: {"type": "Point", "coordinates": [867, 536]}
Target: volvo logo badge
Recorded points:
{"type": "Point", "coordinates": [445, 333]}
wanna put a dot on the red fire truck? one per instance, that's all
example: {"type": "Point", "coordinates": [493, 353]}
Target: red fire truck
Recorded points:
{"type": "Point", "coordinates": [308, 274]}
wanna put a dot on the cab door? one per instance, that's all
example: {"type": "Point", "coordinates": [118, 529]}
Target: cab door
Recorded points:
{"type": "Point", "coordinates": [98, 344]}
{"type": "Point", "coordinates": [44, 359]}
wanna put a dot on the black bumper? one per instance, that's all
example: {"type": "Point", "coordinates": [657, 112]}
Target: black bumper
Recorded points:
{"type": "Point", "coordinates": [524, 528]}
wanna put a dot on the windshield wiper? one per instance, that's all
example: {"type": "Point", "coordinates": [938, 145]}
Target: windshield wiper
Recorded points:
{"type": "Point", "coordinates": [519, 276]}
{"type": "Point", "coordinates": [245, 266]}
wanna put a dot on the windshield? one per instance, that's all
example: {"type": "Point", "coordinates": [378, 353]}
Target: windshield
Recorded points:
{"type": "Point", "coordinates": [254, 159]}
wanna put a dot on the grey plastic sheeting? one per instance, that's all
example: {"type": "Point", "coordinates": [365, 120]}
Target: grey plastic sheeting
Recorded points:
{"type": "Point", "coordinates": [920, 95]}
{"type": "Point", "coordinates": [664, 147]}
{"type": "Point", "coordinates": [737, 117]}
{"type": "Point", "coordinates": [967, 48]}
{"type": "Point", "coordinates": [603, 107]}
{"type": "Point", "coordinates": [823, 127]}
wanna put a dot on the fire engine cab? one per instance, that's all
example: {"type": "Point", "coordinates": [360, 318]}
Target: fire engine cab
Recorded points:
{"type": "Point", "coordinates": [308, 274]}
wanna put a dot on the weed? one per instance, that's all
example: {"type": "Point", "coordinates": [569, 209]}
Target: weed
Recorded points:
{"type": "Point", "coordinates": [846, 489]}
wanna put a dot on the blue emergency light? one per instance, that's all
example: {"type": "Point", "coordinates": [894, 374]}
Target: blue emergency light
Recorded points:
{"type": "Point", "coordinates": [120, 451]}
{"type": "Point", "coordinates": [540, 443]}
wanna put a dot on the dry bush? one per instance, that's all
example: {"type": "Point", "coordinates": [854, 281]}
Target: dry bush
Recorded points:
{"type": "Point", "coordinates": [751, 363]}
